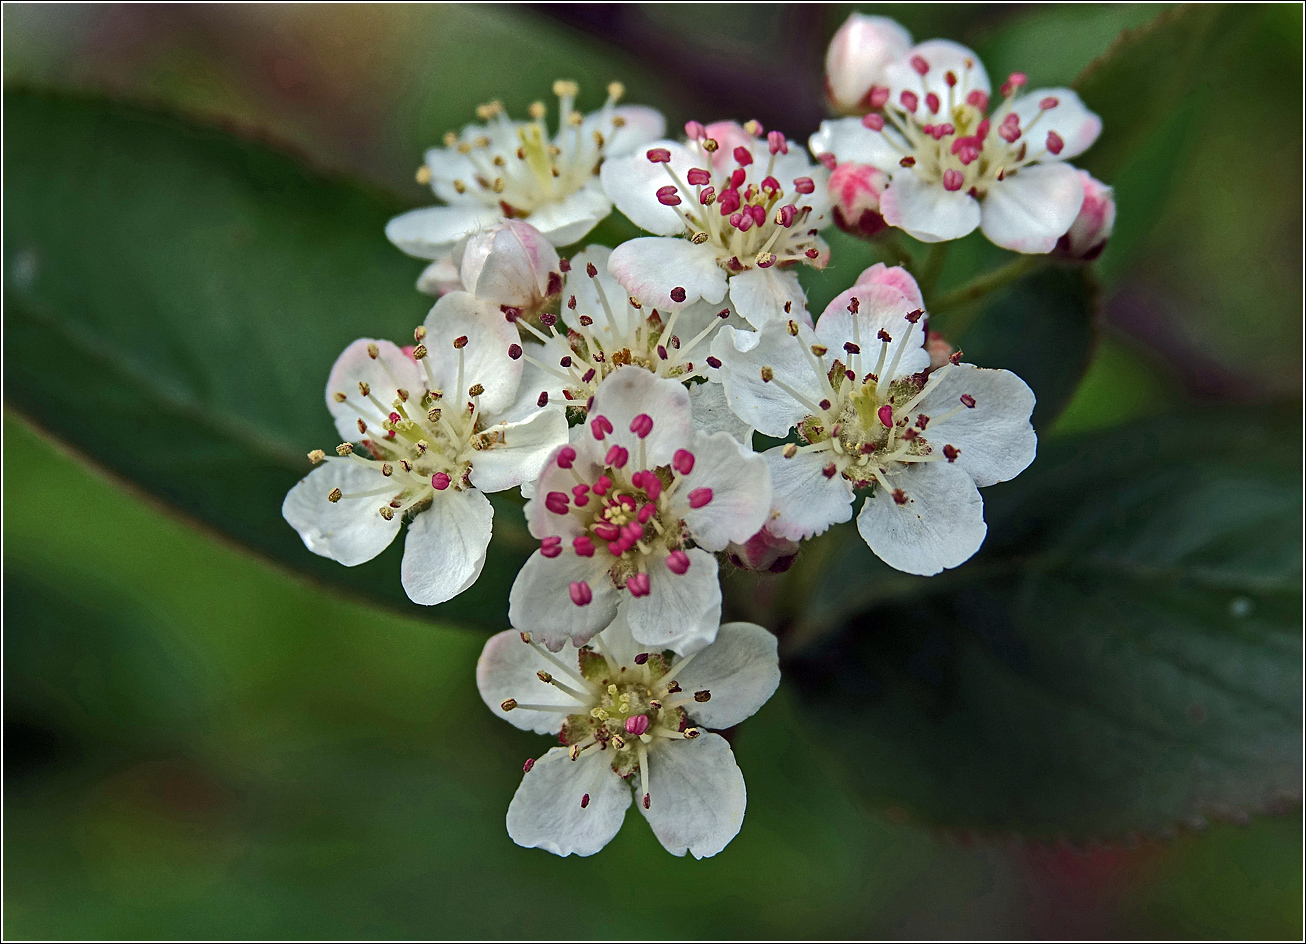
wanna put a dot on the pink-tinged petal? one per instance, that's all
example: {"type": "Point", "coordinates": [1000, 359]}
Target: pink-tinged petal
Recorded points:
{"type": "Point", "coordinates": [1070, 118]}
{"type": "Point", "coordinates": [517, 452]}
{"type": "Point", "coordinates": [630, 391]}
{"type": "Point", "coordinates": [349, 530]}
{"type": "Point", "coordinates": [938, 523]}
{"type": "Point", "coordinates": [444, 549]}
{"type": "Point", "coordinates": [805, 501]}
{"type": "Point", "coordinates": [383, 375]}
{"type": "Point", "coordinates": [432, 232]}
{"type": "Point", "coordinates": [857, 57]}
{"type": "Point", "coordinates": [994, 439]}
{"type": "Point", "coordinates": [1030, 210]}
{"type": "Point", "coordinates": [696, 795]}
{"type": "Point", "coordinates": [682, 611]}
{"type": "Point", "coordinates": [507, 669]}
{"type": "Point", "coordinates": [767, 407]}
{"type": "Point", "coordinates": [928, 211]}
{"type": "Point", "coordinates": [650, 267]}
{"type": "Point", "coordinates": [741, 492]}
{"type": "Point", "coordinates": [556, 477]}
{"type": "Point", "coordinates": [540, 600]}
{"type": "Point", "coordinates": [880, 308]}
{"type": "Point", "coordinates": [484, 356]}
{"type": "Point", "coordinates": [855, 191]}
{"type": "Point", "coordinates": [896, 277]}
{"type": "Point", "coordinates": [508, 264]}
{"type": "Point", "coordinates": [1088, 235]}
{"type": "Point", "coordinates": [546, 812]}
{"type": "Point", "coordinates": [761, 295]}
{"type": "Point", "coordinates": [632, 183]}
{"type": "Point", "coordinates": [572, 217]}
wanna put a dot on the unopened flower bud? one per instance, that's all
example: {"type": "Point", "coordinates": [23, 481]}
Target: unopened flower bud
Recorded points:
{"type": "Point", "coordinates": [764, 552]}
{"type": "Point", "coordinates": [508, 264]}
{"type": "Point", "coordinates": [856, 60]}
{"type": "Point", "coordinates": [1088, 235]}
{"type": "Point", "coordinates": [855, 191]}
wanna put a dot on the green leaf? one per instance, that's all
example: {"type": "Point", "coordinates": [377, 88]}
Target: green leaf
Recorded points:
{"type": "Point", "coordinates": [1137, 83]}
{"type": "Point", "coordinates": [1124, 654]}
{"type": "Point", "coordinates": [174, 299]}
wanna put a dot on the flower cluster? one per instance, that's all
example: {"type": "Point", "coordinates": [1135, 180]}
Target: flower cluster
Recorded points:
{"type": "Point", "coordinates": [620, 390]}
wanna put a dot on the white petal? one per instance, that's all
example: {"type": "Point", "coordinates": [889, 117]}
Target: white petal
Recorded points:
{"type": "Point", "coordinates": [642, 125]}
{"type": "Point", "coordinates": [545, 813]}
{"type": "Point", "coordinates": [741, 492]}
{"type": "Point", "coordinates": [540, 602]}
{"type": "Point", "coordinates": [431, 232]}
{"type": "Point", "coordinates": [696, 795]}
{"type": "Point", "coordinates": [440, 277]}
{"type": "Point", "coordinates": [896, 276]}
{"type": "Point", "coordinates": [927, 211]}
{"type": "Point", "coordinates": [941, 525]}
{"type": "Point", "coordinates": [850, 141]}
{"type": "Point", "coordinates": [571, 218]}
{"type": "Point", "coordinates": [804, 501]}
{"type": "Point", "coordinates": [521, 454]}
{"type": "Point", "coordinates": [534, 381]}
{"type": "Point", "coordinates": [602, 299]}
{"type": "Point", "coordinates": [942, 56]}
{"type": "Point", "coordinates": [760, 296]}
{"type": "Point", "coordinates": [1032, 208]}
{"type": "Point", "coordinates": [880, 308]}
{"type": "Point", "coordinates": [712, 413]}
{"type": "Point", "coordinates": [444, 550]}
{"type": "Point", "coordinates": [349, 531]}
{"type": "Point", "coordinates": [384, 375]}
{"type": "Point", "coordinates": [651, 266]}
{"type": "Point", "coordinates": [630, 391]}
{"type": "Point", "coordinates": [554, 478]}
{"type": "Point", "coordinates": [484, 357]}
{"type": "Point", "coordinates": [995, 438]}
{"type": "Point", "coordinates": [621, 645]}
{"type": "Point", "coordinates": [507, 669]}
{"type": "Point", "coordinates": [682, 611]}
{"type": "Point", "coordinates": [765, 406]}
{"type": "Point", "coordinates": [1071, 119]}
{"type": "Point", "coordinates": [632, 183]}
{"type": "Point", "coordinates": [741, 670]}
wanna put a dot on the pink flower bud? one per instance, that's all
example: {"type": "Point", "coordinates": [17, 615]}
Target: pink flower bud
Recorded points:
{"type": "Point", "coordinates": [858, 55]}
{"type": "Point", "coordinates": [764, 551]}
{"type": "Point", "coordinates": [855, 191]}
{"type": "Point", "coordinates": [939, 349]}
{"type": "Point", "coordinates": [1088, 235]}
{"type": "Point", "coordinates": [895, 277]}
{"type": "Point", "coordinates": [508, 264]}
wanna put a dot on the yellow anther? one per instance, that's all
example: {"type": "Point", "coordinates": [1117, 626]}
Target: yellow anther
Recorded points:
{"type": "Point", "coordinates": [419, 333]}
{"type": "Point", "coordinates": [339, 396]}
{"type": "Point", "coordinates": [508, 704]}
{"type": "Point", "coordinates": [612, 689]}
{"type": "Point", "coordinates": [498, 185]}
{"type": "Point", "coordinates": [450, 139]}
{"type": "Point", "coordinates": [423, 175]}
{"type": "Point", "coordinates": [387, 469]}
{"type": "Point", "coordinates": [419, 352]}
{"type": "Point", "coordinates": [459, 186]}
{"type": "Point", "coordinates": [386, 512]}
{"type": "Point", "coordinates": [699, 238]}
{"type": "Point", "coordinates": [537, 110]}
{"type": "Point", "coordinates": [618, 121]}
{"type": "Point", "coordinates": [616, 91]}
{"type": "Point", "coordinates": [316, 456]}
{"type": "Point", "coordinates": [364, 388]}
{"type": "Point", "coordinates": [564, 88]}
{"type": "Point", "coordinates": [344, 449]}
{"type": "Point", "coordinates": [335, 495]}
{"type": "Point", "coordinates": [575, 118]}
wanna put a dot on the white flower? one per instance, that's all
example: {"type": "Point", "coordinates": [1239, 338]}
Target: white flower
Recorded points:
{"type": "Point", "coordinates": [857, 57]}
{"type": "Point", "coordinates": [629, 717]}
{"type": "Point", "coordinates": [1088, 235]}
{"type": "Point", "coordinates": [517, 169]}
{"type": "Point", "coordinates": [441, 426]}
{"type": "Point", "coordinates": [627, 516]}
{"type": "Point", "coordinates": [749, 206]}
{"type": "Point", "coordinates": [951, 167]}
{"type": "Point", "coordinates": [603, 328]}
{"type": "Point", "coordinates": [869, 416]}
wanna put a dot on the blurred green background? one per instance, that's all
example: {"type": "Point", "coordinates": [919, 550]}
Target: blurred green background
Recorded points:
{"type": "Point", "coordinates": [198, 744]}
